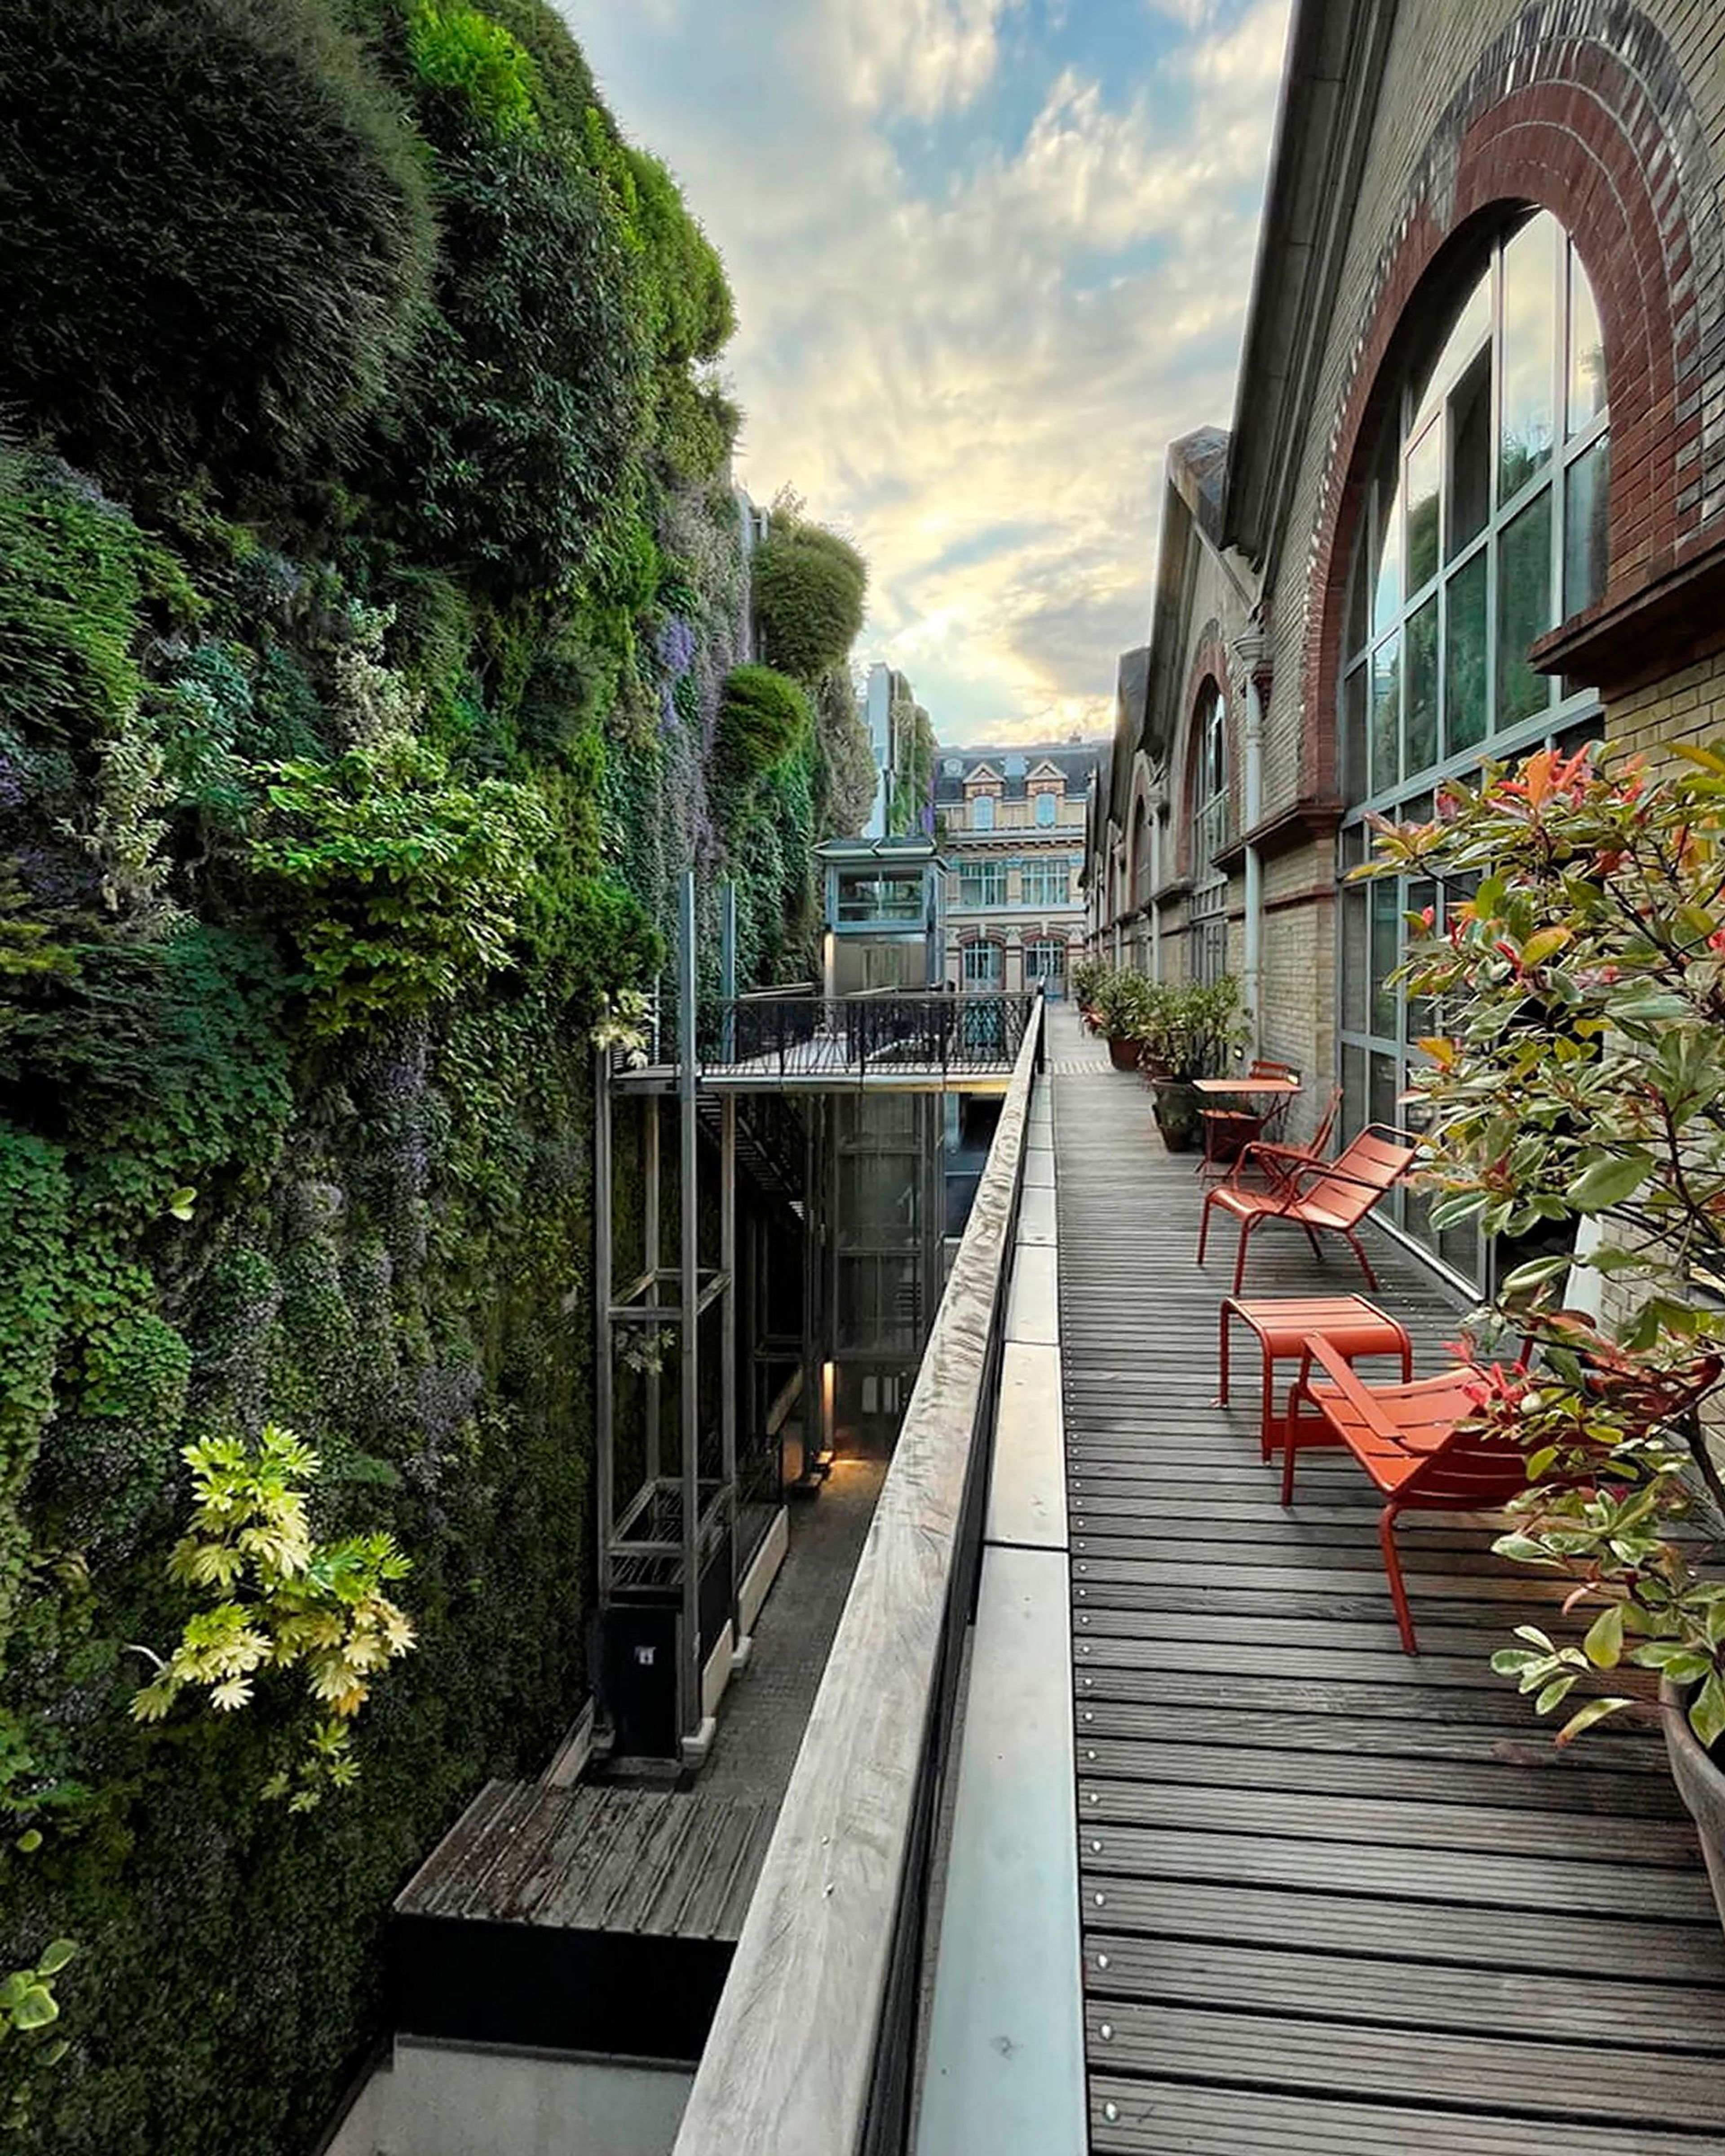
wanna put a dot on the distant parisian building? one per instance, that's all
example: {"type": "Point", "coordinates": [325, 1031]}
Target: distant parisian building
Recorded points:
{"type": "Point", "coordinates": [1010, 823]}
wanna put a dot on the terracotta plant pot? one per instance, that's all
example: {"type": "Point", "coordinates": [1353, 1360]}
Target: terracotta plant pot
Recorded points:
{"type": "Point", "coordinates": [1177, 1113]}
{"type": "Point", "coordinates": [1701, 1783]}
{"type": "Point", "coordinates": [1123, 1051]}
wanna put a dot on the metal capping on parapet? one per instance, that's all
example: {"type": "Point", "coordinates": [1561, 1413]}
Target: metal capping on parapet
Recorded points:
{"type": "Point", "coordinates": [1004, 2071]}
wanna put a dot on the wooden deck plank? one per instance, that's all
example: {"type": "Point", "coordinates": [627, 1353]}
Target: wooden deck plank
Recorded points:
{"type": "Point", "coordinates": [1151, 2117]}
{"type": "Point", "coordinates": [1462, 1996]}
{"type": "Point", "coordinates": [1346, 1771]}
{"type": "Point", "coordinates": [1336, 1899]}
{"type": "Point", "coordinates": [1401, 1933]}
{"type": "Point", "coordinates": [1546, 2081]}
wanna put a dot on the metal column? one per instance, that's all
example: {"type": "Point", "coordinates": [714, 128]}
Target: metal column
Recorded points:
{"type": "Point", "coordinates": [690, 1711]}
{"type": "Point", "coordinates": [604, 1416]}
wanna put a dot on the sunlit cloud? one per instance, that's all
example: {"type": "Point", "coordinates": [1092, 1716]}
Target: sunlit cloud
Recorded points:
{"type": "Point", "coordinates": [986, 269]}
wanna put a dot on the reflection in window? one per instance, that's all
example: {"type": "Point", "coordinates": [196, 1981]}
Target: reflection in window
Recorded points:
{"type": "Point", "coordinates": [982, 883]}
{"type": "Point", "coordinates": [982, 813]}
{"type": "Point", "coordinates": [1529, 353]}
{"type": "Point", "coordinates": [1484, 524]}
{"type": "Point", "coordinates": [1047, 807]}
{"type": "Point", "coordinates": [984, 965]}
{"type": "Point", "coordinates": [1207, 958]}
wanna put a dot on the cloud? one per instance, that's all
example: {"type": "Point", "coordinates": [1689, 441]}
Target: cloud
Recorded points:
{"type": "Point", "coordinates": [973, 360]}
{"type": "Point", "coordinates": [919, 57]}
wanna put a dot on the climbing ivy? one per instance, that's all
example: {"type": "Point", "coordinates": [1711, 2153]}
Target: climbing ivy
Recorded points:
{"type": "Point", "coordinates": [375, 632]}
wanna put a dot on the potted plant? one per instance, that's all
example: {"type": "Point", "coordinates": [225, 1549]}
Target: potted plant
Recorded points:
{"type": "Point", "coordinates": [1122, 1002]}
{"type": "Point", "coordinates": [1579, 967]}
{"type": "Point", "coordinates": [1192, 1029]}
{"type": "Point", "coordinates": [1087, 976]}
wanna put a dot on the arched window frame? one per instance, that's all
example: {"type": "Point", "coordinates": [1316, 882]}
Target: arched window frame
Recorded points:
{"type": "Point", "coordinates": [1141, 854]}
{"type": "Point", "coordinates": [1434, 671]}
{"type": "Point", "coordinates": [1210, 824]}
{"type": "Point", "coordinates": [1438, 620]}
{"type": "Point", "coordinates": [1211, 809]}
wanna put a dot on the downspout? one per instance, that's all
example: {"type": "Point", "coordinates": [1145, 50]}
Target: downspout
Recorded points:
{"type": "Point", "coordinates": [1248, 652]}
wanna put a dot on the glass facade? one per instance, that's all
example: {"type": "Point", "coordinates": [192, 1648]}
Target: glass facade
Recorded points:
{"type": "Point", "coordinates": [982, 883]}
{"type": "Point", "coordinates": [984, 966]}
{"type": "Point", "coordinates": [1483, 527]}
{"type": "Point", "coordinates": [1046, 961]}
{"type": "Point", "coordinates": [1207, 953]}
{"type": "Point", "coordinates": [1044, 883]}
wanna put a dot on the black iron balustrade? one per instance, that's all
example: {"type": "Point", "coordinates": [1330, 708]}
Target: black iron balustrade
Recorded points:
{"type": "Point", "coordinates": [808, 1036]}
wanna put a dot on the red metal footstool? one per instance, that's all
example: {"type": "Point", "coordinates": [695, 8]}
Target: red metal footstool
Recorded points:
{"type": "Point", "coordinates": [1352, 1326]}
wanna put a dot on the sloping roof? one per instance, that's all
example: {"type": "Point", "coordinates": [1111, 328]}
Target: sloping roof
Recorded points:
{"type": "Point", "coordinates": [1336, 55]}
{"type": "Point", "coordinates": [1076, 762]}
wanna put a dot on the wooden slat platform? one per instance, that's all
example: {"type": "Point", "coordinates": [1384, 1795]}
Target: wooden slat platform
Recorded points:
{"type": "Point", "coordinates": [591, 1919]}
{"type": "Point", "coordinates": [666, 1863]}
{"type": "Point", "coordinates": [1336, 1901]}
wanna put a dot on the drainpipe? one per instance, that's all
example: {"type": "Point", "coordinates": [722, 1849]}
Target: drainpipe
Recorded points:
{"type": "Point", "coordinates": [1248, 653]}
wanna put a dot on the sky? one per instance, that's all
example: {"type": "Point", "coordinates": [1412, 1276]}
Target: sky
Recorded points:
{"type": "Point", "coordinates": [990, 257]}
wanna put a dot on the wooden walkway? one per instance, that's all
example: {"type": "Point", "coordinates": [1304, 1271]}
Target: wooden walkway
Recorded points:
{"type": "Point", "coordinates": [1335, 1900]}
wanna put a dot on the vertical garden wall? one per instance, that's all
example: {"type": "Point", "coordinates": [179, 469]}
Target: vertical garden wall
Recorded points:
{"type": "Point", "coordinates": [373, 594]}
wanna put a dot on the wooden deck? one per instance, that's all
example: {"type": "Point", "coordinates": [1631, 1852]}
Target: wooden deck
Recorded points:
{"type": "Point", "coordinates": [1335, 1900]}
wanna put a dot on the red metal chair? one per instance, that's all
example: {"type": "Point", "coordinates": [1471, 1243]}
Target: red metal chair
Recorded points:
{"type": "Point", "coordinates": [1334, 1195]}
{"type": "Point", "coordinates": [1275, 1163]}
{"type": "Point", "coordinates": [1415, 1441]}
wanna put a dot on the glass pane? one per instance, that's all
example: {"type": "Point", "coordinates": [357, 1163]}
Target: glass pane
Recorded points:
{"type": "Point", "coordinates": [1356, 775]}
{"type": "Point", "coordinates": [1473, 326]}
{"type": "Point", "coordinates": [1422, 1019]}
{"type": "Point", "coordinates": [1530, 336]}
{"type": "Point", "coordinates": [1422, 733]}
{"type": "Point", "coordinates": [1425, 471]}
{"type": "Point", "coordinates": [1386, 953]}
{"type": "Point", "coordinates": [1354, 1092]}
{"type": "Point", "coordinates": [1386, 713]}
{"type": "Point", "coordinates": [1459, 1247]}
{"type": "Point", "coordinates": [1464, 657]}
{"type": "Point", "coordinates": [1354, 900]}
{"type": "Point", "coordinates": [1587, 351]}
{"type": "Point", "coordinates": [1387, 593]}
{"type": "Point", "coordinates": [1523, 610]}
{"type": "Point", "coordinates": [1355, 631]}
{"type": "Point", "coordinates": [1585, 496]}
{"type": "Point", "coordinates": [1385, 1084]}
{"type": "Point", "coordinates": [1470, 427]}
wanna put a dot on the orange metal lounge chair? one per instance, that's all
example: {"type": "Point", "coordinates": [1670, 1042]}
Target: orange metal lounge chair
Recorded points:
{"type": "Point", "coordinates": [1413, 1440]}
{"type": "Point", "coordinates": [1334, 1195]}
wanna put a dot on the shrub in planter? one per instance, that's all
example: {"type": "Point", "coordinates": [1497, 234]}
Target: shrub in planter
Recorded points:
{"type": "Point", "coordinates": [1123, 1002]}
{"type": "Point", "coordinates": [1191, 1029]}
{"type": "Point", "coordinates": [1579, 964]}
{"type": "Point", "coordinates": [1087, 977]}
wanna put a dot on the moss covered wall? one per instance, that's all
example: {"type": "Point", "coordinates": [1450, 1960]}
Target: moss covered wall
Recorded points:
{"type": "Point", "coordinates": [370, 578]}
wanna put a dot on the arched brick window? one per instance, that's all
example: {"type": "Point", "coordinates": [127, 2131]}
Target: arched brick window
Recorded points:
{"type": "Point", "coordinates": [1211, 826]}
{"type": "Point", "coordinates": [1483, 522]}
{"type": "Point", "coordinates": [1483, 525]}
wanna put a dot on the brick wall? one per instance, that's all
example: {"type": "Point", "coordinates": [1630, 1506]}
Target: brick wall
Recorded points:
{"type": "Point", "coordinates": [1613, 117]}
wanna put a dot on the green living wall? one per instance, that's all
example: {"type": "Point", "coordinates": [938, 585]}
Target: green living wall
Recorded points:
{"type": "Point", "coordinates": [372, 600]}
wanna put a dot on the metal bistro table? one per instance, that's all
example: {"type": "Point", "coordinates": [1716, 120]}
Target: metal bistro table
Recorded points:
{"type": "Point", "coordinates": [1275, 1092]}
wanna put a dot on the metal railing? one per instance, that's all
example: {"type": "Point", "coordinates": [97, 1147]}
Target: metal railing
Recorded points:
{"type": "Point", "coordinates": [813, 2047]}
{"type": "Point", "coordinates": [813, 1036]}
